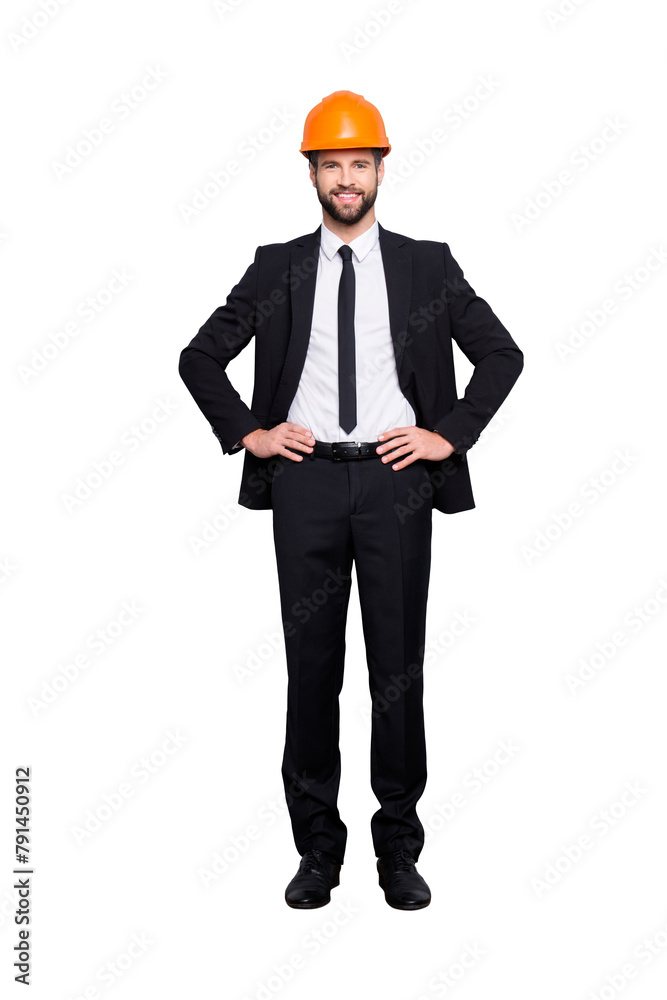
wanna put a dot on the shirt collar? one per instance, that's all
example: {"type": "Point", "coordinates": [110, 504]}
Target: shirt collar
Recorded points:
{"type": "Point", "coordinates": [360, 246]}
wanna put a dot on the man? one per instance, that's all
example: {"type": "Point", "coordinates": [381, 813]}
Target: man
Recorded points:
{"type": "Point", "coordinates": [354, 434]}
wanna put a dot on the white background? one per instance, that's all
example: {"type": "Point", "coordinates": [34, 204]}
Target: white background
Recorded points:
{"type": "Point", "coordinates": [585, 428]}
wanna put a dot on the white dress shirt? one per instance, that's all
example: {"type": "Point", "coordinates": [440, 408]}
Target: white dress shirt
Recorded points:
{"type": "Point", "coordinates": [381, 404]}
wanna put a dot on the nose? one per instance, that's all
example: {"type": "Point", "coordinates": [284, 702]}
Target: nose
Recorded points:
{"type": "Point", "coordinates": [346, 179]}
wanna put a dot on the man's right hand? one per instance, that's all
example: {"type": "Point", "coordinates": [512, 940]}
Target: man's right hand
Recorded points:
{"type": "Point", "coordinates": [264, 444]}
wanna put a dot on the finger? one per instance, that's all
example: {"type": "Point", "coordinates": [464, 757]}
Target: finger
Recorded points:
{"type": "Point", "coordinates": [394, 443]}
{"type": "Point", "coordinates": [406, 461]}
{"type": "Point", "coordinates": [298, 429]}
{"type": "Point", "coordinates": [297, 441]}
{"type": "Point", "coordinates": [394, 455]}
{"type": "Point", "coordinates": [302, 446]}
{"type": "Point", "coordinates": [306, 438]}
{"type": "Point", "coordinates": [290, 454]}
{"type": "Point", "coordinates": [393, 432]}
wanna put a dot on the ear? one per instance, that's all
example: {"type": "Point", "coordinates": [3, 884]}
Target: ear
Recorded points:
{"type": "Point", "coordinates": [380, 171]}
{"type": "Point", "coordinates": [313, 175]}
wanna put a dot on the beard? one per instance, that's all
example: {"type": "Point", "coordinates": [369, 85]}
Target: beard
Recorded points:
{"type": "Point", "coordinates": [348, 215]}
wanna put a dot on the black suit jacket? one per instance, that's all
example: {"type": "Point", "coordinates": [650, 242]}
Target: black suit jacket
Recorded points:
{"type": "Point", "coordinates": [430, 304]}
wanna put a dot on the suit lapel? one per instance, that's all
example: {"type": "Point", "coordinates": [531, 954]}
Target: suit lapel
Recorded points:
{"type": "Point", "coordinates": [397, 263]}
{"type": "Point", "coordinates": [303, 277]}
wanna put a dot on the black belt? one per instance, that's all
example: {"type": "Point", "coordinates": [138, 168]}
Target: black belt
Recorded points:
{"type": "Point", "coordinates": [343, 451]}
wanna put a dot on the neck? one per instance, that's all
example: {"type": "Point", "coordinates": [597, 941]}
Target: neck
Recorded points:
{"type": "Point", "coordinates": [349, 233]}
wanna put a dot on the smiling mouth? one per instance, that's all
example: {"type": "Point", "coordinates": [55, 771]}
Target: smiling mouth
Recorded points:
{"type": "Point", "coordinates": [347, 198]}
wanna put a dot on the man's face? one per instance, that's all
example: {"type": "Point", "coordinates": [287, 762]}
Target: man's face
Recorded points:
{"type": "Point", "coordinates": [342, 172]}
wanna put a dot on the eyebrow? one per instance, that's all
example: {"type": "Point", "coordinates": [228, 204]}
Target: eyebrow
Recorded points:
{"type": "Point", "coordinates": [358, 159]}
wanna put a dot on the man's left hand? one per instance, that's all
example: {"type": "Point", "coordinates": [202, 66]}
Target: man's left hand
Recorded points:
{"type": "Point", "coordinates": [413, 443]}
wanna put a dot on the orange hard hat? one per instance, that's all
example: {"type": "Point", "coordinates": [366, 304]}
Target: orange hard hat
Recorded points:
{"type": "Point", "coordinates": [344, 120]}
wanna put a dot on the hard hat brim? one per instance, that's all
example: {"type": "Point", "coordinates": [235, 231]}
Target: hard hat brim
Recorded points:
{"type": "Point", "coordinates": [357, 142]}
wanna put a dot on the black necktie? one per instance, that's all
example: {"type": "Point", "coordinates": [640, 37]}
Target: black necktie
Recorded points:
{"type": "Point", "coordinates": [347, 393]}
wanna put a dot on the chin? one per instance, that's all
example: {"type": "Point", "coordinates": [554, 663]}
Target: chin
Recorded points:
{"type": "Point", "coordinates": [348, 219]}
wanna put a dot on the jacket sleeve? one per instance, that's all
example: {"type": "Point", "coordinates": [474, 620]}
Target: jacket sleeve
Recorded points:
{"type": "Point", "coordinates": [203, 362]}
{"type": "Point", "coordinates": [489, 347]}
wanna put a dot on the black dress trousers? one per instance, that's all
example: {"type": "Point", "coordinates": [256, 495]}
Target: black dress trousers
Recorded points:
{"type": "Point", "coordinates": [327, 515]}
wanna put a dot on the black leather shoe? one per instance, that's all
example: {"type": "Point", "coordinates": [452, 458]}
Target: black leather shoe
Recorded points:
{"type": "Point", "coordinates": [311, 886]}
{"type": "Point", "coordinates": [404, 888]}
